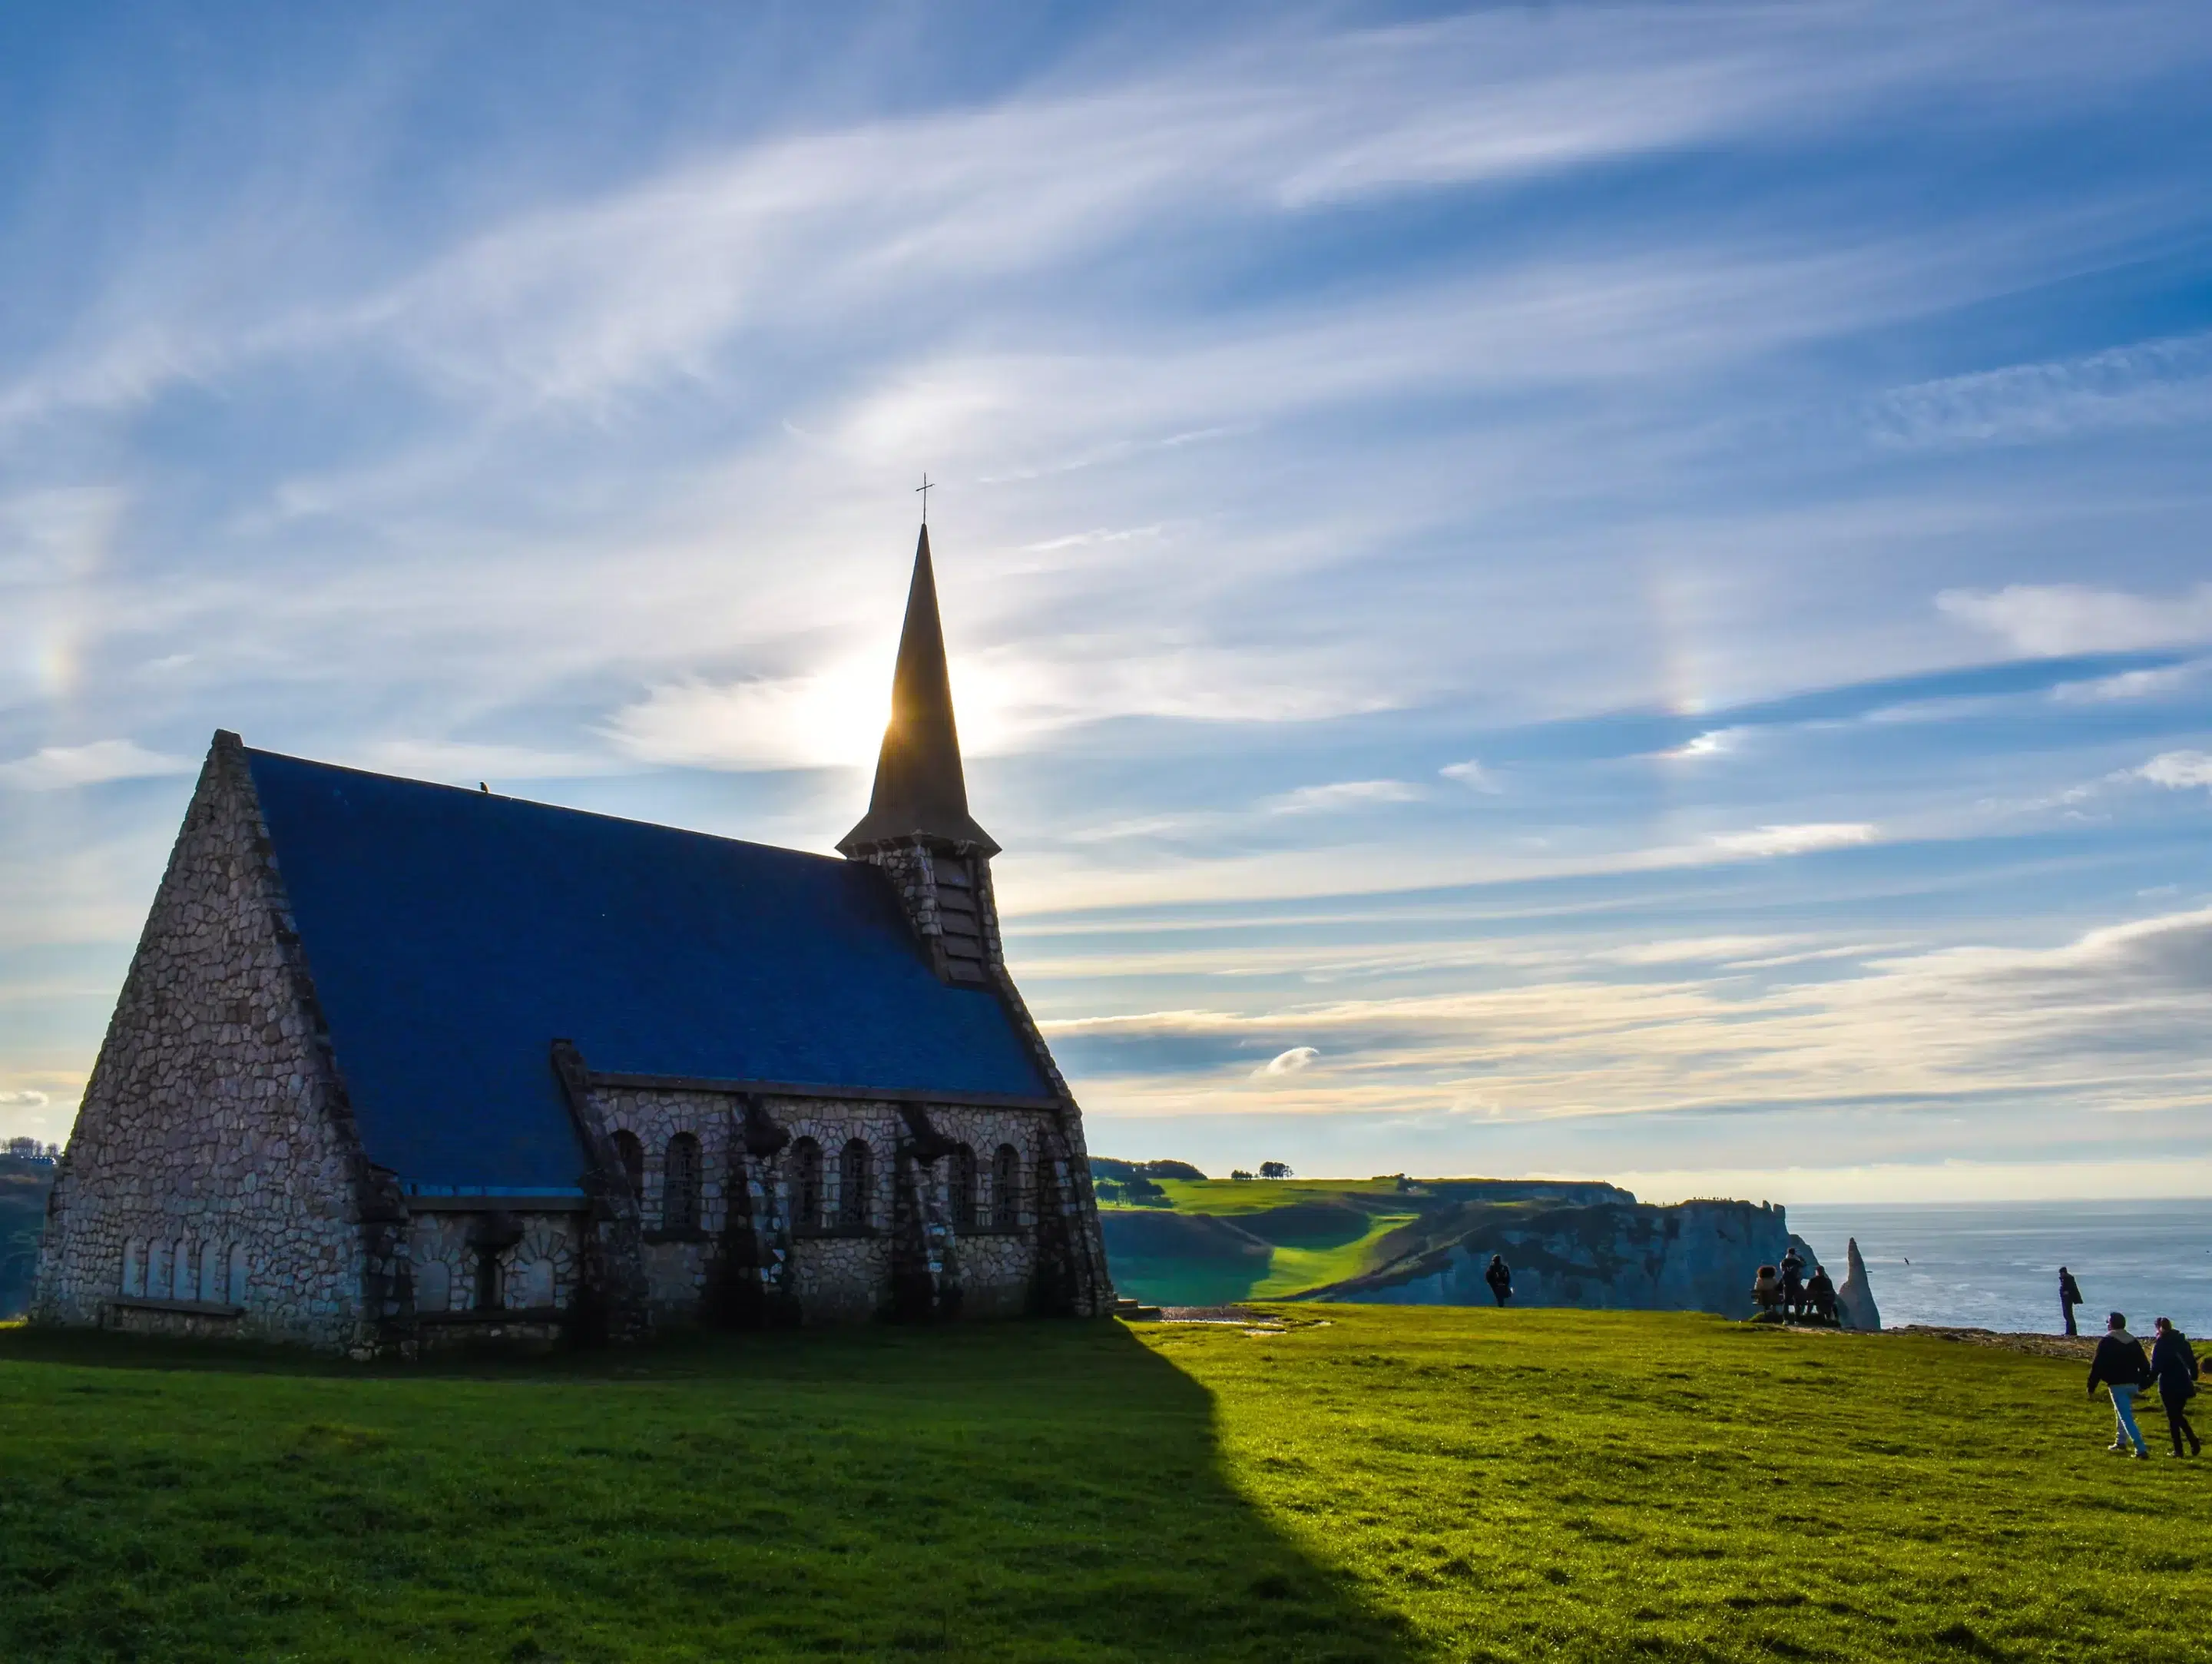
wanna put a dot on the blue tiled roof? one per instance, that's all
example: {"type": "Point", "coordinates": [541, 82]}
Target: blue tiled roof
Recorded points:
{"type": "Point", "coordinates": [452, 934]}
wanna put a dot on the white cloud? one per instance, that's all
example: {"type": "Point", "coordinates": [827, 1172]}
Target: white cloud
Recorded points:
{"type": "Point", "coordinates": [1705, 949]}
{"type": "Point", "coordinates": [58, 767]}
{"type": "Point", "coordinates": [2131, 685]}
{"type": "Point", "coordinates": [832, 719]}
{"type": "Point", "coordinates": [2049, 619]}
{"type": "Point", "coordinates": [2145, 384]}
{"type": "Point", "coordinates": [1299, 1057]}
{"type": "Point", "coordinates": [2178, 769]}
{"type": "Point", "coordinates": [1718, 742]}
{"type": "Point", "coordinates": [1795, 839]}
{"type": "Point", "coordinates": [1341, 795]}
{"type": "Point", "coordinates": [1471, 774]}
{"type": "Point", "coordinates": [24, 1101]}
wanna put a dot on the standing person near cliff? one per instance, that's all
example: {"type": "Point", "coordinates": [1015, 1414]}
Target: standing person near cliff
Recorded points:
{"type": "Point", "coordinates": [1499, 1276]}
{"type": "Point", "coordinates": [1793, 1283]}
{"type": "Point", "coordinates": [2173, 1365]}
{"type": "Point", "coordinates": [2121, 1366]}
{"type": "Point", "coordinates": [2069, 1296]}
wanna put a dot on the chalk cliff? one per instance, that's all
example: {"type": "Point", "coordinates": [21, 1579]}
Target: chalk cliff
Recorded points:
{"type": "Point", "coordinates": [1696, 1256]}
{"type": "Point", "coordinates": [1854, 1300]}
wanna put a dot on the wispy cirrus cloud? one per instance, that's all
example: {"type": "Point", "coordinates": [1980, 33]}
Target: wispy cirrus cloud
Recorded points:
{"type": "Point", "coordinates": [1473, 775]}
{"type": "Point", "coordinates": [1796, 840]}
{"type": "Point", "coordinates": [56, 767]}
{"type": "Point", "coordinates": [2145, 384]}
{"type": "Point", "coordinates": [1341, 795]}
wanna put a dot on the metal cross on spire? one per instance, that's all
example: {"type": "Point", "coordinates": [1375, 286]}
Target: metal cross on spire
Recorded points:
{"type": "Point", "coordinates": [925, 488]}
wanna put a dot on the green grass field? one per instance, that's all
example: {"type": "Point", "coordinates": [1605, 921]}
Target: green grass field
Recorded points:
{"type": "Point", "coordinates": [1372, 1483]}
{"type": "Point", "coordinates": [1232, 1197]}
{"type": "Point", "coordinates": [1319, 1231]}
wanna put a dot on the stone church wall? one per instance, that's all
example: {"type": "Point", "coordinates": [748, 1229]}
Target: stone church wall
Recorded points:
{"type": "Point", "coordinates": [212, 1136]}
{"type": "Point", "coordinates": [537, 1272]}
{"type": "Point", "coordinates": [837, 1271]}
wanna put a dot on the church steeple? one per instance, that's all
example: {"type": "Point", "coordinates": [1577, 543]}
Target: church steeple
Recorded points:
{"type": "Point", "coordinates": [920, 793]}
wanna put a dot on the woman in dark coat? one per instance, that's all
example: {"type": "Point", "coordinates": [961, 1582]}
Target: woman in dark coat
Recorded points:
{"type": "Point", "coordinates": [2174, 1366]}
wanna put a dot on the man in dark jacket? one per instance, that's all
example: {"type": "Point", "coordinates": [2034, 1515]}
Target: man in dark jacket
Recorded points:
{"type": "Point", "coordinates": [1499, 1276]}
{"type": "Point", "coordinates": [2174, 1366]}
{"type": "Point", "coordinates": [2069, 1296]}
{"type": "Point", "coordinates": [2121, 1365]}
{"type": "Point", "coordinates": [1793, 1283]}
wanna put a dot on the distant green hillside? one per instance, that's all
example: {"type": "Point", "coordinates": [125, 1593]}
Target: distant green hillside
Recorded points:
{"type": "Point", "coordinates": [23, 1187]}
{"type": "Point", "coordinates": [1221, 1239]}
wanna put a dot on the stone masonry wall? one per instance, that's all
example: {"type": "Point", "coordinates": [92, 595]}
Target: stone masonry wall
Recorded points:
{"type": "Point", "coordinates": [835, 1273]}
{"type": "Point", "coordinates": [537, 1271]}
{"type": "Point", "coordinates": [213, 1118]}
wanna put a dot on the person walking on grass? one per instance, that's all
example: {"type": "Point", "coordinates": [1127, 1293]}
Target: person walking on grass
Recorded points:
{"type": "Point", "coordinates": [1499, 1276]}
{"type": "Point", "coordinates": [2069, 1296]}
{"type": "Point", "coordinates": [2121, 1365]}
{"type": "Point", "coordinates": [2174, 1367]}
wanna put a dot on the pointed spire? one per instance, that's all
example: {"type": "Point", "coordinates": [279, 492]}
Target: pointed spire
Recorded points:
{"type": "Point", "coordinates": [920, 791]}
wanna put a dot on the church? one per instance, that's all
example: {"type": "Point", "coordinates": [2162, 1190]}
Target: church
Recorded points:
{"type": "Point", "coordinates": [399, 1068]}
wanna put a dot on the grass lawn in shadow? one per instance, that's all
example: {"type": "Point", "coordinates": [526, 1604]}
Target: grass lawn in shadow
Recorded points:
{"type": "Point", "coordinates": [993, 1491]}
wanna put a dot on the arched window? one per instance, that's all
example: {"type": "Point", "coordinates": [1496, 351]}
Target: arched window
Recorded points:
{"type": "Point", "coordinates": [157, 1271]}
{"type": "Point", "coordinates": [134, 1267]}
{"type": "Point", "coordinates": [806, 1184]}
{"type": "Point", "coordinates": [679, 1185]}
{"type": "Point", "coordinates": [531, 1286]}
{"type": "Point", "coordinates": [632, 1157]}
{"type": "Point", "coordinates": [963, 1189]}
{"type": "Point", "coordinates": [855, 1178]}
{"type": "Point", "coordinates": [1006, 1188]}
{"type": "Point", "coordinates": [211, 1269]}
{"type": "Point", "coordinates": [180, 1269]}
{"type": "Point", "coordinates": [237, 1279]}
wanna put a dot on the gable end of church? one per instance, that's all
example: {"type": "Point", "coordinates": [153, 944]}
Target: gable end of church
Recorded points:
{"type": "Point", "coordinates": [214, 1185]}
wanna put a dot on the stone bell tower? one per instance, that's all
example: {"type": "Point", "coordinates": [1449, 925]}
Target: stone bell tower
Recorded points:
{"type": "Point", "coordinates": [919, 831]}
{"type": "Point", "coordinates": [917, 828]}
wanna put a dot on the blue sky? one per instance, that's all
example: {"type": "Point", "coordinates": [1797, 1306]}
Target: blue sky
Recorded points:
{"type": "Point", "coordinates": [1597, 589]}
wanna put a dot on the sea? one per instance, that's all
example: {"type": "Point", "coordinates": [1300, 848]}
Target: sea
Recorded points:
{"type": "Point", "coordinates": [1995, 1265]}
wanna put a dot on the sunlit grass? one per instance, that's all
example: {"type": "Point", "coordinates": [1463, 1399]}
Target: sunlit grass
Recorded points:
{"type": "Point", "coordinates": [1236, 1196]}
{"type": "Point", "coordinates": [1292, 1268]}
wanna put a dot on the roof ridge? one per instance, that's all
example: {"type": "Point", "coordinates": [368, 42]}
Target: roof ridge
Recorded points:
{"type": "Point", "coordinates": [539, 803]}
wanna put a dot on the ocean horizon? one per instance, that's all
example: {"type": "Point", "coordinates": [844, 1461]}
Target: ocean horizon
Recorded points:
{"type": "Point", "coordinates": [1995, 1265]}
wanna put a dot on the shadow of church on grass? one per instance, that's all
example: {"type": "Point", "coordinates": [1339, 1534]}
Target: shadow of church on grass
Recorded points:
{"type": "Point", "coordinates": [1014, 1491]}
